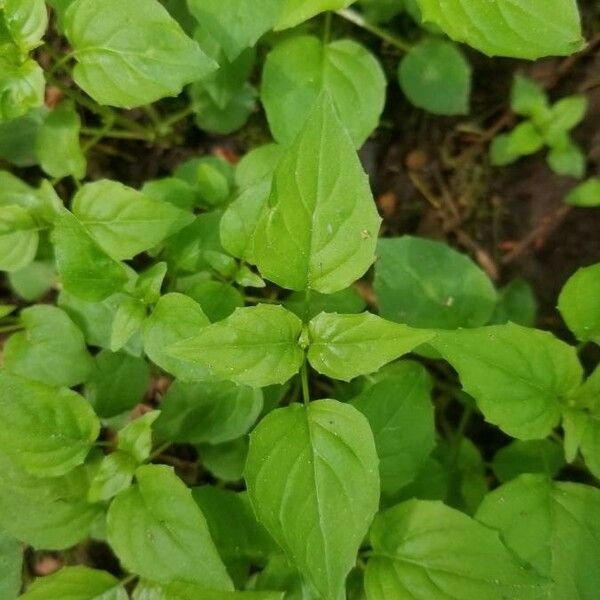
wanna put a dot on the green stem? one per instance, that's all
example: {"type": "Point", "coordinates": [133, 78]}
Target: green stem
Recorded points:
{"type": "Point", "coordinates": [180, 116]}
{"type": "Point", "coordinates": [10, 328]}
{"type": "Point", "coordinates": [304, 379]}
{"type": "Point", "coordinates": [111, 133]}
{"type": "Point", "coordinates": [359, 21]}
{"type": "Point", "coordinates": [327, 27]}
{"type": "Point", "coordinates": [159, 451]}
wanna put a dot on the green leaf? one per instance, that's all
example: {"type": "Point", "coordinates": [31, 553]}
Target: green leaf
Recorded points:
{"type": "Point", "coordinates": [258, 164]}
{"type": "Point", "coordinates": [6, 309]}
{"type": "Point", "coordinates": [552, 525]}
{"type": "Point", "coordinates": [115, 42]}
{"type": "Point", "coordinates": [435, 75]}
{"type": "Point", "coordinates": [218, 300]}
{"type": "Point", "coordinates": [528, 98]}
{"type": "Point", "coordinates": [566, 158]}
{"type": "Point", "coordinates": [523, 140]}
{"type": "Point", "coordinates": [118, 382]}
{"type": "Point", "coordinates": [66, 518]}
{"type": "Point", "coordinates": [76, 583]}
{"type": "Point", "coordinates": [123, 221]}
{"type": "Point", "coordinates": [237, 24]}
{"type": "Point", "coordinates": [114, 475]}
{"type": "Point", "coordinates": [173, 190]}
{"type": "Point", "coordinates": [247, 540]}
{"type": "Point", "coordinates": [346, 346]}
{"type": "Point", "coordinates": [578, 303]}
{"type": "Point", "coordinates": [26, 21]}
{"type": "Point", "coordinates": [57, 145]}
{"type": "Point", "coordinates": [175, 318]}
{"type": "Point", "coordinates": [294, 12]}
{"type": "Point", "coordinates": [86, 271]}
{"type": "Point", "coordinates": [320, 228]}
{"type": "Point", "coordinates": [127, 322]}
{"type": "Point", "coordinates": [18, 137]}
{"type": "Point", "coordinates": [22, 86]}
{"type": "Point", "coordinates": [18, 238]}
{"type": "Point", "coordinates": [566, 114]}
{"type": "Point", "coordinates": [158, 532]}
{"type": "Point", "coordinates": [428, 284]}
{"type": "Point", "coordinates": [255, 346]}
{"type": "Point", "coordinates": [11, 564]}
{"type": "Point", "coordinates": [308, 306]}
{"type": "Point", "coordinates": [225, 461]}
{"type": "Point", "coordinates": [424, 549]}
{"type": "Point", "coordinates": [50, 350]}
{"type": "Point", "coordinates": [586, 194]}
{"type": "Point", "coordinates": [208, 412]}
{"type": "Point", "coordinates": [136, 437]}
{"type": "Point", "coordinates": [187, 591]}
{"type": "Point", "coordinates": [33, 281]}
{"type": "Point", "coordinates": [300, 69]}
{"type": "Point", "coordinates": [516, 303]}
{"type": "Point", "coordinates": [46, 431]}
{"type": "Point", "coordinates": [518, 376]}
{"type": "Point", "coordinates": [149, 283]}
{"type": "Point", "coordinates": [523, 30]}
{"type": "Point", "coordinates": [400, 413]}
{"type": "Point", "coordinates": [532, 456]}
{"type": "Point", "coordinates": [281, 575]}
{"type": "Point", "coordinates": [313, 483]}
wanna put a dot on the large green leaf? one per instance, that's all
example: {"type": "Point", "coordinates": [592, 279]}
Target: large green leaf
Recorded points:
{"type": "Point", "coordinates": [313, 482]}
{"type": "Point", "coordinates": [400, 413]}
{"type": "Point", "coordinates": [424, 549]}
{"type": "Point", "coordinates": [66, 517]}
{"type": "Point", "coordinates": [46, 431]}
{"type": "Point", "coordinates": [11, 564]}
{"type": "Point", "coordinates": [518, 376]}
{"type": "Point", "coordinates": [57, 146]}
{"type": "Point", "coordinates": [435, 75]}
{"type": "Point", "coordinates": [158, 532]}
{"type": "Point", "coordinates": [320, 228]}
{"type": "Point", "coordinates": [18, 238]}
{"type": "Point", "coordinates": [300, 69]}
{"type": "Point", "coordinates": [346, 346]}
{"type": "Point", "coordinates": [578, 303]}
{"type": "Point", "coordinates": [524, 29]}
{"type": "Point", "coordinates": [26, 21]}
{"type": "Point", "coordinates": [175, 318]}
{"type": "Point", "coordinates": [86, 271]}
{"type": "Point", "coordinates": [51, 349]}
{"type": "Point", "coordinates": [428, 284]}
{"type": "Point", "coordinates": [255, 346]}
{"type": "Point", "coordinates": [208, 412]}
{"type": "Point", "coordinates": [553, 525]}
{"type": "Point", "coordinates": [76, 583]}
{"type": "Point", "coordinates": [124, 221]}
{"type": "Point", "coordinates": [136, 42]}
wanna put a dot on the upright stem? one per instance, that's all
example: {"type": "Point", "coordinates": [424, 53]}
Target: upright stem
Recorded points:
{"type": "Point", "coordinates": [304, 379]}
{"type": "Point", "coordinates": [359, 20]}
{"type": "Point", "coordinates": [327, 27]}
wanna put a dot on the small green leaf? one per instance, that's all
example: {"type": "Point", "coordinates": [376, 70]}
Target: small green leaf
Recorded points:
{"type": "Point", "coordinates": [258, 164]}
{"type": "Point", "coordinates": [118, 382]}
{"type": "Point", "coordinates": [114, 474]}
{"type": "Point", "coordinates": [516, 303]}
{"type": "Point", "coordinates": [136, 437]}
{"type": "Point", "coordinates": [518, 376]}
{"type": "Point", "coordinates": [435, 76]}
{"type": "Point", "coordinates": [308, 306]}
{"type": "Point", "coordinates": [47, 431]}
{"type": "Point", "coordinates": [428, 284]}
{"type": "Point", "coordinates": [18, 137]}
{"type": "Point", "coordinates": [50, 350]}
{"type": "Point", "coordinates": [18, 238]}
{"type": "Point", "coordinates": [424, 549]}
{"type": "Point", "coordinates": [579, 306]}
{"type": "Point", "coordinates": [400, 413]}
{"type": "Point", "coordinates": [503, 28]}
{"type": "Point", "coordinates": [86, 271]}
{"type": "Point", "coordinates": [115, 42]}
{"type": "Point", "coordinates": [76, 583]}
{"type": "Point", "coordinates": [532, 456]}
{"type": "Point", "coordinates": [128, 321]}
{"type": "Point", "coordinates": [255, 346]}
{"type": "Point", "coordinates": [208, 412]}
{"type": "Point", "coordinates": [225, 461]}
{"type": "Point", "coordinates": [528, 98]}
{"type": "Point", "coordinates": [300, 69]}
{"type": "Point", "coordinates": [586, 194]}
{"type": "Point", "coordinates": [566, 158]}
{"type": "Point", "coordinates": [313, 483]}
{"type": "Point", "coordinates": [33, 281]}
{"type": "Point", "coordinates": [174, 319]}
{"type": "Point", "coordinates": [294, 12]}
{"type": "Point", "coordinates": [6, 309]}
{"type": "Point", "coordinates": [57, 145]}
{"type": "Point", "coordinates": [11, 565]}
{"type": "Point", "coordinates": [67, 517]}
{"type": "Point", "coordinates": [123, 221]}
{"type": "Point", "coordinates": [346, 346]}
{"type": "Point", "coordinates": [566, 114]}
{"type": "Point", "coordinates": [158, 532]}
{"type": "Point", "coordinates": [26, 21]}
{"type": "Point", "coordinates": [319, 230]}
{"type": "Point", "coordinates": [22, 86]}
{"type": "Point", "coordinates": [149, 283]}
{"type": "Point", "coordinates": [552, 525]}
{"type": "Point", "coordinates": [218, 300]}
